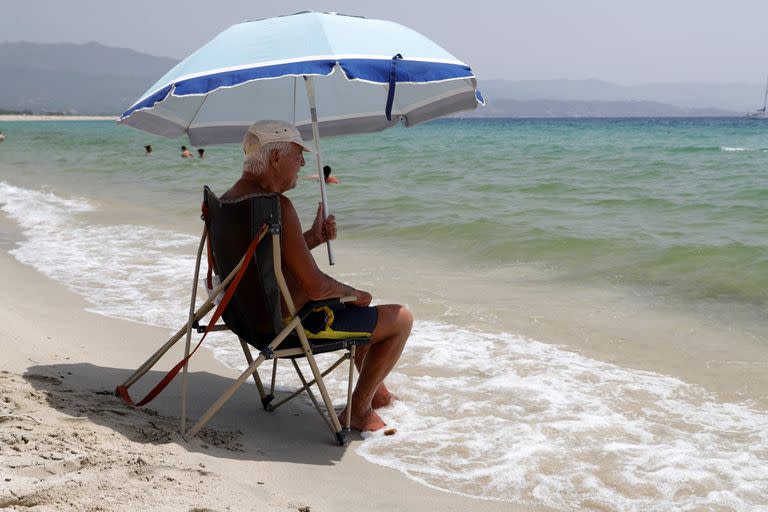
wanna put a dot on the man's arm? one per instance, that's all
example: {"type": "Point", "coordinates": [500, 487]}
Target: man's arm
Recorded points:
{"type": "Point", "coordinates": [300, 263]}
{"type": "Point", "coordinates": [322, 230]}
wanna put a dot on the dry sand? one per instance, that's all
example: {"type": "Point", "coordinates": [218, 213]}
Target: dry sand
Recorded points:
{"type": "Point", "coordinates": [67, 443]}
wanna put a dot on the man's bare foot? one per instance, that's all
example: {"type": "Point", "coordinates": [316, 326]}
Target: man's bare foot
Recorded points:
{"type": "Point", "coordinates": [383, 397]}
{"type": "Point", "coordinates": [366, 422]}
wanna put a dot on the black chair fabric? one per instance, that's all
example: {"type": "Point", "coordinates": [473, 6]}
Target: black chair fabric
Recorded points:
{"type": "Point", "coordinates": [253, 313]}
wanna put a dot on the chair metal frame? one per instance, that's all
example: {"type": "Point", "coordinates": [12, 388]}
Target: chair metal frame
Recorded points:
{"type": "Point", "coordinates": [271, 351]}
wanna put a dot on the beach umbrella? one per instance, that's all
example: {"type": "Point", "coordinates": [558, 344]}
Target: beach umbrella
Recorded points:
{"type": "Point", "coordinates": [326, 73]}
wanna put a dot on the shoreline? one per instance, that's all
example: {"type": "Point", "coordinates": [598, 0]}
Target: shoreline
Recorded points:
{"type": "Point", "coordinates": [82, 443]}
{"type": "Point", "coordinates": [36, 117]}
{"type": "Point", "coordinates": [65, 117]}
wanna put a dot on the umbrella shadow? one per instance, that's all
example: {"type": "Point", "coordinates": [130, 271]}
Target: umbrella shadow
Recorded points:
{"type": "Point", "coordinates": [241, 430]}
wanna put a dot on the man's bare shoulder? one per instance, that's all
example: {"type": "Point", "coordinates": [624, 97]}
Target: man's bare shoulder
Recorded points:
{"type": "Point", "coordinates": [287, 210]}
{"type": "Point", "coordinates": [240, 189]}
{"type": "Point", "coordinates": [234, 193]}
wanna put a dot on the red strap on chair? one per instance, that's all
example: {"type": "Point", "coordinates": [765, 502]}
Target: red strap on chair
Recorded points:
{"type": "Point", "coordinates": [122, 391]}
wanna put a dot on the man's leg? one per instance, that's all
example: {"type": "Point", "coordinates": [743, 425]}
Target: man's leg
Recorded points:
{"type": "Point", "coordinates": [387, 342]}
{"type": "Point", "coordinates": [383, 396]}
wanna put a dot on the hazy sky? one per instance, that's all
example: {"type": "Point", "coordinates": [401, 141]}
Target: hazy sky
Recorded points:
{"type": "Point", "coordinates": [623, 41]}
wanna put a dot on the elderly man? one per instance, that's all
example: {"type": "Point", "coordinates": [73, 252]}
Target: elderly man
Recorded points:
{"type": "Point", "coordinates": [273, 158]}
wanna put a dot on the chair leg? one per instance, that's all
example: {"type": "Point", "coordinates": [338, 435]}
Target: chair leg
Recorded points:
{"type": "Point", "coordinates": [311, 383]}
{"type": "Point", "coordinates": [340, 435]}
{"type": "Point", "coordinates": [274, 376]}
{"type": "Point", "coordinates": [243, 377]}
{"type": "Point", "coordinates": [203, 310]}
{"type": "Point", "coordinates": [190, 320]}
{"type": "Point", "coordinates": [348, 418]}
{"type": "Point", "coordinates": [205, 418]}
{"type": "Point", "coordinates": [312, 396]}
{"type": "Point", "coordinates": [154, 358]}
{"type": "Point", "coordinates": [265, 399]}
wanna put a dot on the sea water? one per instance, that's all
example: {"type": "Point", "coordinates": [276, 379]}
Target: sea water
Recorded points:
{"type": "Point", "coordinates": [590, 295]}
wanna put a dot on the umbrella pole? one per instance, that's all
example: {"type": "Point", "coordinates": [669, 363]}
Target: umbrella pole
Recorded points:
{"type": "Point", "coordinates": [316, 136]}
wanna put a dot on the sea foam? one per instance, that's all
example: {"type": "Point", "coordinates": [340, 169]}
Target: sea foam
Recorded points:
{"type": "Point", "coordinates": [490, 415]}
{"type": "Point", "coordinates": [514, 419]}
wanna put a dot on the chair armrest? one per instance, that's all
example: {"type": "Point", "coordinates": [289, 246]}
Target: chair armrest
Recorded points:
{"type": "Point", "coordinates": [309, 306]}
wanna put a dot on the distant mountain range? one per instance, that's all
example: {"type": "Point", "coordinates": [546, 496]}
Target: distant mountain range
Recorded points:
{"type": "Point", "coordinates": [92, 79]}
{"type": "Point", "coordinates": [86, 79]}
{"type": "Point", "coordinates": [545, 98]}
{"type": "Point", "coordinates": [506, 107]}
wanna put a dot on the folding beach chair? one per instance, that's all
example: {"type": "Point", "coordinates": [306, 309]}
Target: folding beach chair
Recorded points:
{"type": "Point", "coordinates": [248, 263]}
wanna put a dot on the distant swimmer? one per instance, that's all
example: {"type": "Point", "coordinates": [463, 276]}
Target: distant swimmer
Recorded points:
{"type": "Point", "coordinates": [2, 136]}
{"type": "Point", "coordinates": [148, 150]}
{"type": "Point", "coordinates": [201, 152]}
{"type": "Point", "coordinates": [185, 152]}
{"type": "Point", "coordinates": [327, 174]}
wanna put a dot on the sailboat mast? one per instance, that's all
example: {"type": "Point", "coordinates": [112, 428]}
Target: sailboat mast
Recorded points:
{"type": "Point", "coordinates": [765, 99]}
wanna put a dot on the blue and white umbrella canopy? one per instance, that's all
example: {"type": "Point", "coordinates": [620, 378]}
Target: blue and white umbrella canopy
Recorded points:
{"type": "Point", "coordinates": [367, 74]}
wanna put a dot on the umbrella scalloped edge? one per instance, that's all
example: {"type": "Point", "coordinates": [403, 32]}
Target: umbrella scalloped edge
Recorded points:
{"type": "Point", "coordinates": [367, 70]}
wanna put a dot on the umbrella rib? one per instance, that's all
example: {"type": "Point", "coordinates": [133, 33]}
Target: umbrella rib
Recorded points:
{"type": "Point", "coordinates": [191, 119]}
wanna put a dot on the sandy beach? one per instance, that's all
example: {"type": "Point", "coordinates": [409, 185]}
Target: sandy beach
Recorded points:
{"type": "Point", "coordinates": [67, 443]}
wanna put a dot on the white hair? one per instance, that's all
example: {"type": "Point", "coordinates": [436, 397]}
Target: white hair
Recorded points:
{"type": "Point", "coordinates": [258, 161]}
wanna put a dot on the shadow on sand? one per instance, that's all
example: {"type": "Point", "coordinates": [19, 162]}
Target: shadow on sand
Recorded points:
{"type": "Point", "coordinates": [242, 429]}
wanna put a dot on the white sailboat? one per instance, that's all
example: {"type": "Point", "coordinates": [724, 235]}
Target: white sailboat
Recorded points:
{"type": "Point", "coordinates": [760, 113]}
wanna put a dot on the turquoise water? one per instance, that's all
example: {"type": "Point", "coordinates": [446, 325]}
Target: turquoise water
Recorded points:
{"type": "Point", "coordinates": [673, 208]}
{"type": "Point", "coordinates": [589, 295]}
